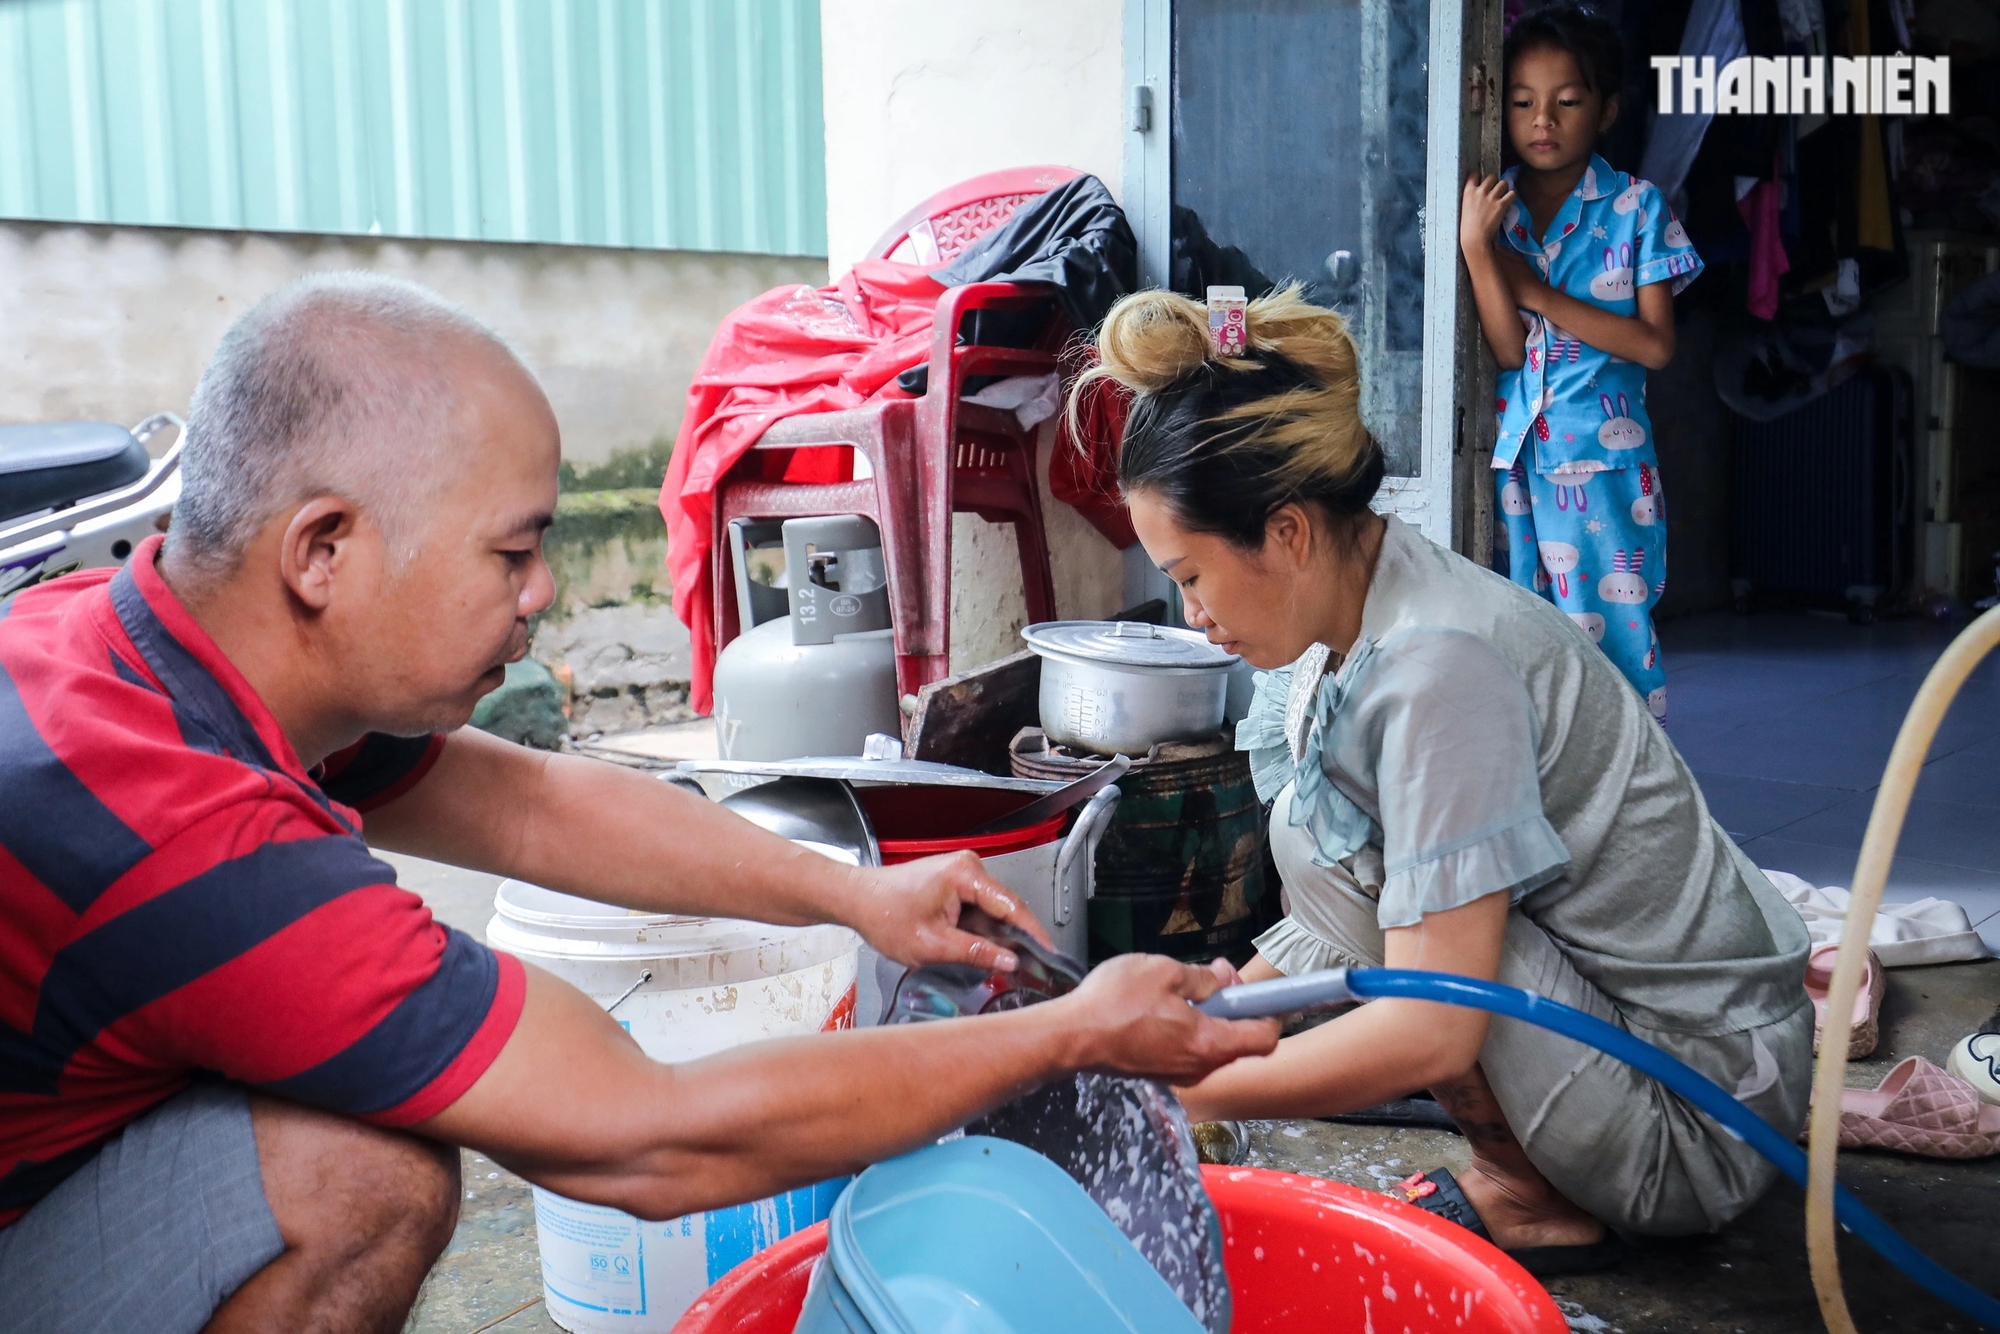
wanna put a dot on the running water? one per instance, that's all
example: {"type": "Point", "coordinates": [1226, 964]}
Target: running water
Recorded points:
{"type": "Point", "coordinates": [1125, 1141]}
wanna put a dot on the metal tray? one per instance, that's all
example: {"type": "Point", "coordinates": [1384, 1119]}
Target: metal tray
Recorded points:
{"type": "Point", "coordinates": [855, 769]}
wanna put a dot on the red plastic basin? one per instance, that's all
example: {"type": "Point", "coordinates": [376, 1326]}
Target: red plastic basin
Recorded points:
{"type": "Point", "coordinates": [1304, 1256]}
{"type": "Point", "coordinates": [913, 822]}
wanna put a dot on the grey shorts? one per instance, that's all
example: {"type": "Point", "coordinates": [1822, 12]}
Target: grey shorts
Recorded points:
{"type": "Point", "coordinates": [153, 1234]}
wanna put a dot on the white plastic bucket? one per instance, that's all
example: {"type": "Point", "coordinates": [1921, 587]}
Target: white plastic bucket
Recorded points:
{"type": "Point", "coordinates": [716, 983]}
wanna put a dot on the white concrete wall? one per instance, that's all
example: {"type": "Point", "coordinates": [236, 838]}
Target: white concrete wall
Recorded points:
{"type": "Point", "coordinates": [115, 323]}
{"type": "Point", "coordinates": [922, 93]}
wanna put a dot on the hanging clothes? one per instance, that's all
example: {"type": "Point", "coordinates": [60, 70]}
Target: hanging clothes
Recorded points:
{"type": "Point", "coordinates": [1850, 242]}
{"type": "Point", "coordinates": [1803, 20]}
{"type": "Point", "coordinates": [1762, 207]}
{"type": "Point", "coordinates": [1714, 28]}
{"type": "Point", "coordinates": [1625, 142]}
{"type": "Point", "coordinates": [1970, 324]}
{"type": "Point", "coordinates": [1875, 224]}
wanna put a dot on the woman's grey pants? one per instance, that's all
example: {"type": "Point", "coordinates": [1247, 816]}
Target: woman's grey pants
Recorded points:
{"type": "Point", "coordinates": [1610, 1139]}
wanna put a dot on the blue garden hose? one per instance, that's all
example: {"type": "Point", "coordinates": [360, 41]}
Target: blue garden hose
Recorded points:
{"type": "Point", "coordinates": [1319, 990]}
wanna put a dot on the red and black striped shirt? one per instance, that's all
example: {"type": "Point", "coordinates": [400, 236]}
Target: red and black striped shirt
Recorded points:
{"type": "Point", "coordinates": [180, 897]}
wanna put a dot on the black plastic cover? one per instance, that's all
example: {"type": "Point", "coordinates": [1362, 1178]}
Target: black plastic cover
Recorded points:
{"type": "Point", "coordinates": [50, 464]}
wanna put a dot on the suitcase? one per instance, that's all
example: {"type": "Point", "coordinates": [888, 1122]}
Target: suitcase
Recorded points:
{"type": "Point", "coordinates": [1822, 499]}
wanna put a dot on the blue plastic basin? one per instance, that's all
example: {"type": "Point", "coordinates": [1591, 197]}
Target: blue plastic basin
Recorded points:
{"type": "Point", "coordinates": [981, 1236]}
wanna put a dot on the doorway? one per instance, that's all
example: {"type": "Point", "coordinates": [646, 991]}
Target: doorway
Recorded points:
{"type": "Point", "coordinates": [1322, 142]}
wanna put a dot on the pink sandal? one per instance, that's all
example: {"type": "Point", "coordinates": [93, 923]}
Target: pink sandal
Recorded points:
{"type": "Point", "coordinates": [1867, 1030]}
{"type": "Point", "coordinates": [1923, 1110]}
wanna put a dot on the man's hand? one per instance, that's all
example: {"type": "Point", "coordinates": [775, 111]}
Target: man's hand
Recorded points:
{"type": "Point", "coordinates": [1137, 1017]}
{"type": "Point", "coordinates": [910, 912]}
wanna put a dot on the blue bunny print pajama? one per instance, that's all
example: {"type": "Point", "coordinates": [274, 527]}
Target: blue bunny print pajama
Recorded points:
{"type": "Point", "coordinates": [1593, 543]}
{"type": "Point", "coordinates": [1582, 511]}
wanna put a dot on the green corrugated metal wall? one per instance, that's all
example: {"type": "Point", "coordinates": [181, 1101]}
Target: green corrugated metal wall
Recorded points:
{"type": "Point", "coordinates": [673, 124]}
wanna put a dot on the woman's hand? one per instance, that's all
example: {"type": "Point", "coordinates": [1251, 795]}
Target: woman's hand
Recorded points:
{"type": "Point", "coordinates": [1480, 211]}
{"type": "Point", "coordinates": [1377, 1051]}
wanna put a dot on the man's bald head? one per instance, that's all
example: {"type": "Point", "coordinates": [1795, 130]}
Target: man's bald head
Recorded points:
{"type": "Point", "coordinates": [336, 384]}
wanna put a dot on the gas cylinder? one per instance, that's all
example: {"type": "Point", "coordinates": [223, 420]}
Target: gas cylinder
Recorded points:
{"type": "Point", "coordinates": [818, 679]}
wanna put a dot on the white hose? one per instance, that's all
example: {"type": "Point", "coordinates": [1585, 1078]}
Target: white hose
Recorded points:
{"type": "Point", "coordinates": [1871, 874]}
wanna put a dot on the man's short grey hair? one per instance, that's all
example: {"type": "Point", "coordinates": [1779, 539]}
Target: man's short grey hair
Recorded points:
{"type": "Point", "coordinates": [332, 385]}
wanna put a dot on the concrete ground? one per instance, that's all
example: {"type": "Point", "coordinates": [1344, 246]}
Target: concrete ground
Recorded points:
{"type": "Point", "coordinates": [1787, 720]}
{"type": "Point", "coordinates": [1749, 1279]}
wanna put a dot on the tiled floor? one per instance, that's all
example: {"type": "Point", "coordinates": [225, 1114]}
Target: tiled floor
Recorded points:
{"type": "Point", "coordinates": [1788, 718]}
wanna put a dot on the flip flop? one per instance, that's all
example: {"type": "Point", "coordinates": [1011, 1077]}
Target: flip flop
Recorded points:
{"type": "Point", "coordinates": [1867, 1030]}
{"type": "Point", "coordinates": [1437, 1192]}
{"type": "Point", "coordinates": [1923, 1110]}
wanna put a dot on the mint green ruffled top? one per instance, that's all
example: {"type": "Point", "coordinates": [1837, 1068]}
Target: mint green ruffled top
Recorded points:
{"type": "Point", "coordinates": [1338, 827]}
{"type": "Point", "coordinates": [1423, 744]}
{"type": "Point", "coordinates": [1474, 741]}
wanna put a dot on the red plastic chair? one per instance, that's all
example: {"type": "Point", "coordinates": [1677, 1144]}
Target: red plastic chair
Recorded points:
{"type": "Point", "coordinates": [930, 456]}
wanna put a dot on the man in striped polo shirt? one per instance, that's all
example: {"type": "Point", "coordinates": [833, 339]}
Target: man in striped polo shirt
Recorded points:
{"type": "Point", "coordinates": [236, 1058]}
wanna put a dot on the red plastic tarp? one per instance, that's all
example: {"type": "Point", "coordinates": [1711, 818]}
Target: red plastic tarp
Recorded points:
{"type": "Point", "coordinates": [792, 350]}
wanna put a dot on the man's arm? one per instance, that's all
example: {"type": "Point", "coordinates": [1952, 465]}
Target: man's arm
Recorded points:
{"type": "Point", "coordinates": [616, 835]}
{"type": "Point", "coordinates": [572, 1104]}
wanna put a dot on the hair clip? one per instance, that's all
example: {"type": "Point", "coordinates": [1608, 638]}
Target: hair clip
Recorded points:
{"type": "Point", "coordinates": [1228, 320]}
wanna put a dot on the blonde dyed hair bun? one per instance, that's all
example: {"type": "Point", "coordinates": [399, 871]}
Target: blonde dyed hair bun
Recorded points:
{"type": "Point", "coordinates": [1153, 338]}
{"type": "Point", "coordinates": [1227, 440]}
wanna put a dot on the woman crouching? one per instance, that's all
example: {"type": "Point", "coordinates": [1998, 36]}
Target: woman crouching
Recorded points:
{"type": "Point", "coordinates": [1460, 782]}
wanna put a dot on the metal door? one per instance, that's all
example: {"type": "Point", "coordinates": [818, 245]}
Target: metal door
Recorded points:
{"type": "Point", "coordinates": [1325, 141]}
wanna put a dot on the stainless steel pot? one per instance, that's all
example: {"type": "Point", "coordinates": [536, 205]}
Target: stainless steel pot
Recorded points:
{"type": "Point", "coordinates": [818, 813]}
{"type": "Point", "coordinates": [1121, 687]}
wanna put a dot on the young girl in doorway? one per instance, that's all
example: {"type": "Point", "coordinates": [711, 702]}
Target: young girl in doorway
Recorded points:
{"type": "Point", "coordinates": [1574, 267]}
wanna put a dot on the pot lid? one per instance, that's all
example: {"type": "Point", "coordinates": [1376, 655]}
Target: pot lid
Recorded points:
{"type": "Point", "coordinates": [855, 769]}
{"type": "Point", "coordinates": [1127, 644]}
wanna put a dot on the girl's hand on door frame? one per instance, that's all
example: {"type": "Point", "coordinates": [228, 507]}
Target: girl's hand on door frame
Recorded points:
{"type": "Point", "coordinates": [1485, 202]}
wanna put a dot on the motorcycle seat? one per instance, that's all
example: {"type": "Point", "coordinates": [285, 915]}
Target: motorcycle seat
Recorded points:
{"type": "Point", "coordinates": [47, 465]}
